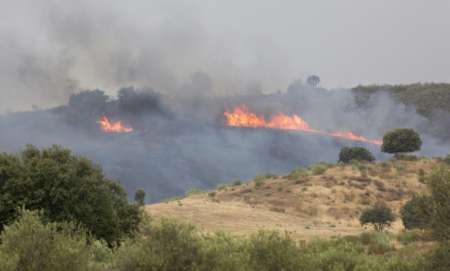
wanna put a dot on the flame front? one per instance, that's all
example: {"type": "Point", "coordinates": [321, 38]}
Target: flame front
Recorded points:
{"type": "Point", "coordinates": [240, 116]}
{"type": "Point", "coordinates": [113, 127]}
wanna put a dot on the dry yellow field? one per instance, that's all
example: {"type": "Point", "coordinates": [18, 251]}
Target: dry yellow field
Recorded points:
{"type": "Point", "coordinates": [306, 203]}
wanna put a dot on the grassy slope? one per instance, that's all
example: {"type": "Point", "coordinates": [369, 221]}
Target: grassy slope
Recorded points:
{"type": "Point", "coordinates": [305, 204]}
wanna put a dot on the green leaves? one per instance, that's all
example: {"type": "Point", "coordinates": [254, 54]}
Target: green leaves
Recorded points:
{"type": "Point", "coordinates": [380, 216]}
{"type": "Point", "coordinates": [401, 140]}
{"type": "Point", "coordinates": [66, 188]}
{"type": "Point", "coordinates": [348, 154]}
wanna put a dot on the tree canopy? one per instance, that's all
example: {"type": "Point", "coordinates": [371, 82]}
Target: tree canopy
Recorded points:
{"type": "Point", "coordinates": [380, 216]}
{"type": "Point", "coordinates": [348, 154]}
{"type": "Point", "coordinates": [66, 188]}
{"type": "Point", "coordinates": [401, 140]}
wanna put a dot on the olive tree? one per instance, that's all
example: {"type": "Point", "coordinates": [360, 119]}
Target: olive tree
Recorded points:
{"type": "Point", "coordinates": [380, 216]}
{"type": "Point", "coordinates": [401, 141]}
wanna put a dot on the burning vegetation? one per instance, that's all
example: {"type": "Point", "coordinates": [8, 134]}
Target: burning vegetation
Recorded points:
{"type": "Point", "coordinates": [108, 126]}
{"type": "Point", "coordinates": [241, 116]}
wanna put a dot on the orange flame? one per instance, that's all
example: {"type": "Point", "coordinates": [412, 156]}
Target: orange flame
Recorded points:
{"type": "Point", "coordinates": [242, 117]}
{"type": "Point", "coordinates": [113, 127]}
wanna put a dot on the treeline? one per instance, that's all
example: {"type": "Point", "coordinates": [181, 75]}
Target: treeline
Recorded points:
{"type": "Point", "coordinates": [426, 97]}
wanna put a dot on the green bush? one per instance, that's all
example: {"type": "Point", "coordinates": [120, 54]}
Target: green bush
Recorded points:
{"type": "Point", "coordinates": [377, 242]}
{"type": "Point", "coordinates": [222, 252]}
{"type": "Point", "coordinates": [401, 140]}
{"type": "Point", "coordinates": [439, 182]}
{"type": "Point", "coordinates": [380, 216]}
{"type": "Point", "coordinates": [417, 212]}
{"type": "Point", "coordinates": [297, 174]}
{"type": "Point", "coordinates": [271, 251]}
{"type": "Point", "coordinates": [348, 154]}
{"type": "Point", "coordinates": [318, 169]}
{"type": "Point", "coordinates": [139, 197]}
{"type": "Point", "coordinates": [30, 245]}
{"type": "Point", "coordinates": [164, 246]}
{"type": "Point", "coordinates": [410, 236]}
{"type": "Point", "coordinates": [440, 258]}
{"type": "Point", "coordinates": [66, 188]}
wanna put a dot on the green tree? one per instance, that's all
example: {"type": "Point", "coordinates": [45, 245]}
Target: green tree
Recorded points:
{"type": "Point", "coordinates": [139, 197]}
{"type": "Point", "coordinates": [66, 188]}
{"type": "Point", "coordinates": [348, 154]}
{"type": "Point", "coordinates": [400, 141]}
{"type": "Point", "coordinates": [380, 216]}
{"type": "Point", "coordinates": [417, 212]}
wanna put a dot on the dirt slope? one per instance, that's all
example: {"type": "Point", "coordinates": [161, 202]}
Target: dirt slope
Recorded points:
{"type": "Point", "coordinates": [322, 201]}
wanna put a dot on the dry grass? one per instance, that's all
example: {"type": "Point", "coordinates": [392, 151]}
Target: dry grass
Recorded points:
{"type": "Point", "coordinates": [302, 203]}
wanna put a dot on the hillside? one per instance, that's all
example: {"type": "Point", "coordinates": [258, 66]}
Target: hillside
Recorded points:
{"type": "Point", "coordinates": [426, 97]}
{"type": "Point", "coordinates": [321, 201]}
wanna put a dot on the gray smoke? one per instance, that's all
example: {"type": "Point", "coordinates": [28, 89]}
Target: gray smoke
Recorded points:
{"type": "Point", "coordinates": [182, 143]}
{"type": "Point", "coordinates": [185, 72]}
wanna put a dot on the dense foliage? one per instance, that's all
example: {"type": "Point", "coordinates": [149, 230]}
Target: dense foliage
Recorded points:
{"type": "Point", "coordinates": [417, 212]}
{"type": "Point", "coordinates": [425, 97]}
{"type": "Point", "coordinates": [439, 182]}
{"type": "Point", "coordinates": [401, 140]}
{"type": "Point", "coordinates": [380, 216]}
{"type": "Point", "coordinates": [348, 154]}
{"type": "Point", "coordinates": [29, 244]}
{"type": "Point", "coordinates": [66, 188]}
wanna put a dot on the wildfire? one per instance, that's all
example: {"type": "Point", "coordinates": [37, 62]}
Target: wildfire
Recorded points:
{"type": "Point", "coordinates": [242, 117]}
{"type": "Point", "coordinates": [113, 127]}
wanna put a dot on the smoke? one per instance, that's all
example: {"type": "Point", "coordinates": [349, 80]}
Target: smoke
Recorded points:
{"type": "Point", "coordinates": [50, 50]}
{"type": "Point", "coordinates": [185, 70]}
{"type": "Point", "coordinates": [182, 143]}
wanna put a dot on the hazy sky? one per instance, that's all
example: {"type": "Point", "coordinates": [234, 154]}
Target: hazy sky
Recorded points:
{"type": "Point", "coordinates": [49, 49]}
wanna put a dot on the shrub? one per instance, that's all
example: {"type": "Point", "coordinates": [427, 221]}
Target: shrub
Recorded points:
{"type": "Point", "coordinates": [194, 191]}
{"type": "Point", "coordinates": [417, 212]}
{"type": "Point", "coordinates": [411, 236]}
{"type": "Point", "coordinates": [348, 154]}
{"type": "Point", "coordinates": [376, 242]}
{"type": "Point", "coordinates": [401, 140]}
{"type": "Point", "coordinates": [212, 194]}
{"type": "Point", "coordinates": [439, 182]}
{"type": "Point", "coordinates": [139, 197]}
{"type": "Point", "coordinates": [164, 246]}
{"type": "Point", "coordinates": [297, 174]}
{"type": "Point", "coordinates": [31, 245]}
{"type": "Point", "coordinates": [66, 188]}
{"type": "Point", "coordinates": [272, 251]}
{"type": "Point", "coordinates": [259, 183]}
{"type": "Point", "coordinates": [237, 183]}
{"type": "Point", "coordinates": [222, 252]}
{"type": "Point", "coordinates": [440, 258]}
{"type": "Point", "coordinates": [380, 216]}
{"type": "Point", "coordinates": [318, 169]}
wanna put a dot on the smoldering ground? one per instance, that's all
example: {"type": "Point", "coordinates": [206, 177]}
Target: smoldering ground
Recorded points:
{"type": "Point", "coordinates": [182, 143]}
